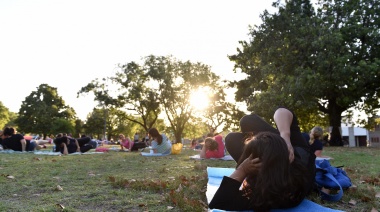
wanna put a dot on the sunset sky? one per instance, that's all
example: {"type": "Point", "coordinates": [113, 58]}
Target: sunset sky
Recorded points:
{"type": "Point", "coordinates": [68, 43]}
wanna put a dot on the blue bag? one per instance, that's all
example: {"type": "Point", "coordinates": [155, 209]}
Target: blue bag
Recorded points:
{"type": "Point", "coordinates": [331, 177]}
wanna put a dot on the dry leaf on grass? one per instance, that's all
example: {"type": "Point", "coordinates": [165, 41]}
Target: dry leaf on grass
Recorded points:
{"type": "Point", "coordinates": [59, 188]}
{"type": "Point", "coordinates": [179, 189]}
{"type": "Point", "coordinates": [377, 195]}
{"type": "Point", "coordinates": [60, 206]}
{"type": "Point", "coordinates": [112, 179]}
{"type": "Point", "coordinates": [352, 202]}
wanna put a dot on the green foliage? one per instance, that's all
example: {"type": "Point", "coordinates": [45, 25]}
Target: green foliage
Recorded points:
{"type": "Point", "coordinates": [62, 125]}
{"type": "Point", "coordinates": [12, 119]}
{"type": "Point", "coordinates": [175, 81]}
{"type": "Point", "coordinates": [95, 123]}
{"type": "Point", "coordinates": [78, 128]}
{"type": "Point", "coordinates": [320, 62]}
{"type": "Point", "coordinates": [4, 115]}
{"type": "Point", "coordinates": [40, 110]}
{"type": "Point", "coordinates": [195, 128]}
{"type": "Point", "coordinates": [158, 84]}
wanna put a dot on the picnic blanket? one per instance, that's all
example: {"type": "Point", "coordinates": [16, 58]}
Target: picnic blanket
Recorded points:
{"type": "Point", "coordinates": [198, 157]}
{"type": "Point", "coordinates": [58, 153]}
{"type": "Point", "coordinates": [215, 176]}
{"type": "Point", "coordinates": [46, 152]}
{"type": "Point", "coordinates": [148, 154]}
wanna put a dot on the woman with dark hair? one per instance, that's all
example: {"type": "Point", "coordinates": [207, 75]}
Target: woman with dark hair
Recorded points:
{"type": "Point", "coordinates": [275, 167]}
{"type": "Point", "coordinates": [160, 142]}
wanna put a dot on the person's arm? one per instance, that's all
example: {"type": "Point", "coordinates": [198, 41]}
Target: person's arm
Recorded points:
{"type": "Point", "coordinates": [154, 146]}
{"type": "Point", "coordinates": [318, 153]}
{"type": "Point", "coordinates": [78, 147]}
{"type": "Point", "coordinates": [130, 146]}
{"type": "Point", "coordinates": [121, 147]}
{"type": "Point", "coordinates": [283, 118]}
{"type": "Point", "coordinates": [65, 151]}
{"type": "Point", "coordinates": [228, 196]}
{"type": "Point", "coordinates": [23, 145]}
{"type": "Point", "coordinates": [202, 154]}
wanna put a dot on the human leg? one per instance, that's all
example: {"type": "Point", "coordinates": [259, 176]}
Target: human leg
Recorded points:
{"type": "Point", "coordinates": [234, 143]}
{"type": "Point", "coordinates": [30, 145]}
{"type": "Point", "coordinates": [83, 141]}
{"type": "Point", "coordinates": [287, 124]}
{"type": "Point", "coordinates": [85, 148]}
{"type": "Point", "coordinates": [252, 123]}
{"type": "Point", "coordinates": [255, 124]}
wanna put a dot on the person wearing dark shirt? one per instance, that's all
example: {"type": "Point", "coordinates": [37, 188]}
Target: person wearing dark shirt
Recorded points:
{"type": "Point", "coordinates": [315, 142]}
{"type": "Point", "coordinates": [67, 145]}
{"type": "Point", "coordinates": [275, 168]}
{"type": "Point", "coordinates": [12, 140]}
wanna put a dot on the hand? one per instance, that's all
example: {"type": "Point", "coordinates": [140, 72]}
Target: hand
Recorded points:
{"type": "Point", "coordinates": [291, 152]}
{"type": "Point", "coordinates": [250, 165]}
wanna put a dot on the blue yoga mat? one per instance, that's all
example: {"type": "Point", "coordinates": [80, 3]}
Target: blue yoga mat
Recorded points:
{"type": "Point", "coordinates": [215, 176]}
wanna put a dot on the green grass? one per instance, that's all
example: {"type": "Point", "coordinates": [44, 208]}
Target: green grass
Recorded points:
{"type": "Point", "coordinates": [123, 181]}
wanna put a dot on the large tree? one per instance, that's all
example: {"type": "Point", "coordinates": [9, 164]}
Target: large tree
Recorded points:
{"type": "Point", "coordinates": [313, 60]}
{"type": "Point", "coordinates": [128, 90]}
{"type": "Point", "coordinates": [175, 81]}
{"type": "Point", "coordinates": [41, 109]}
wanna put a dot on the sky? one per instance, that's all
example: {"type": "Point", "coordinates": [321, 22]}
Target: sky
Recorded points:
{"type": "Point", "coordinates": [68, 43]}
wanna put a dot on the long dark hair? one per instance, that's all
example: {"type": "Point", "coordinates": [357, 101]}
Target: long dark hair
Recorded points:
{"type": "Point", "coordinates": [9, 131]}
{"type": "Point", "coordinates": [278, 184]}
{"type": "Point", "coordinates": [153, 132]}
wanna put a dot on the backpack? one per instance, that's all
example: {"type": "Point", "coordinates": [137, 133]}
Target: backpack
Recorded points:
{"type": "Point", "coordinates": [331, 177]}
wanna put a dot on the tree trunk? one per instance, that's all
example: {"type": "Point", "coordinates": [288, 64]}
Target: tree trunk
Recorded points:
{"type": "Point", "coordinates": [178, 136]}
{"type": "Point", "coordinates": [335, 119]}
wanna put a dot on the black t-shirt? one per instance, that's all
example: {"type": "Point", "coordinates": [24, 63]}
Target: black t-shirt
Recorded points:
{"type": "Point", "coordinates": [13, 142]}
{"type": "Point", "coordinates": [72, 146]}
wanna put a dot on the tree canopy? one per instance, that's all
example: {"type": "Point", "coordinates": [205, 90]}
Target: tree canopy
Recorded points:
{"type": "Point", "coordinates": [156, 85]}
{"type": "Point", "coordinates": [43, 111]}
{"type": "Point", "coordinates": [321, 62]}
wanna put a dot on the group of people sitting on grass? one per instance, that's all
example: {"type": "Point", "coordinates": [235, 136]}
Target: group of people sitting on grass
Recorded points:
{"type": "Point", "coordinates": [159, 142]}
{"type": "Point", "coordinates": [11, 140]}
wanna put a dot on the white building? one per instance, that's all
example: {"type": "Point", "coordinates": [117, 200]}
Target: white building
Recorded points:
{"type": "Point", "coordinates": [356, 136]}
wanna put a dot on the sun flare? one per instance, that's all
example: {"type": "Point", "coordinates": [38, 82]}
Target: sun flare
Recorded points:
{"type": "Point", "coordinates": [199, 99]}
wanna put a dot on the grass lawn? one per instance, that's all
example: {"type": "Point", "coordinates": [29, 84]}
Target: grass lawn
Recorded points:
{"type": "Point", "coordinates": [124, 181]}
